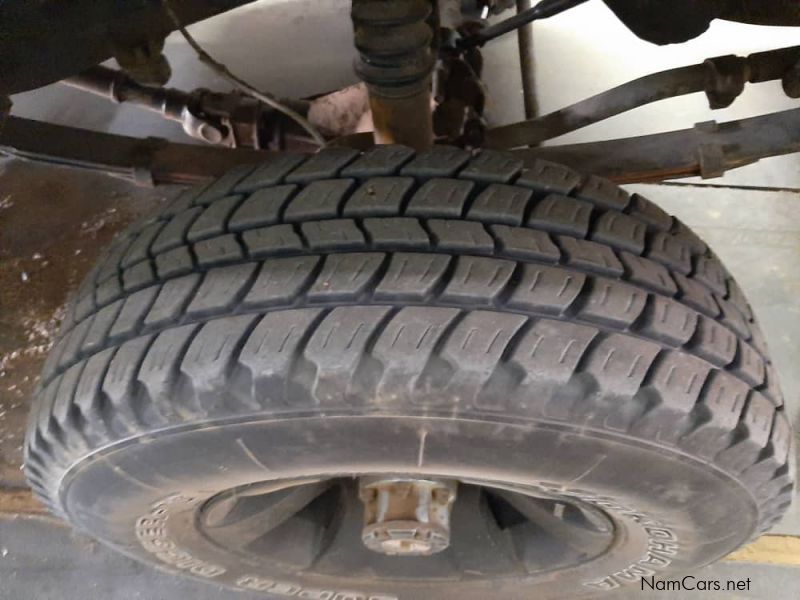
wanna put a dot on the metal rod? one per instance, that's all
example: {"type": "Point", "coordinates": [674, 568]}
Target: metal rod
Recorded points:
{"type": "Point", "coordinates": [526, 64]}
{"type": "Point", "coordinates": [119, 87]}
{"type": "Point", "coordinates": [645, 90]}
{"type": "Point", "coordinates": [543, 10]}
{"type": "Point", "coordinates": [708, 76]}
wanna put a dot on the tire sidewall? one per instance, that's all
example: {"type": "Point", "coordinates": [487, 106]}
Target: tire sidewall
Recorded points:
{"type": "Point", "coordinates": [673, 512]}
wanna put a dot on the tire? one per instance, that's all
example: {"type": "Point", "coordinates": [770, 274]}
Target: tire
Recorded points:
{"type": "Point", "coordinates": [447, 314]}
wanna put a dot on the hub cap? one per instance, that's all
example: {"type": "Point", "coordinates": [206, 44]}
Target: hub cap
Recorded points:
{"type": "Point", "coordinates": [405, 516]}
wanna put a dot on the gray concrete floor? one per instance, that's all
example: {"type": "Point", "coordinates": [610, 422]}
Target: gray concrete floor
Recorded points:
{"type": "Point", "coordinates": [54, 222]}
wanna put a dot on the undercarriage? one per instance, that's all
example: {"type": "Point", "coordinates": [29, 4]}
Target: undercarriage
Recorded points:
{"type": "Point", "coordinates": [387, 344]}
{"type": "Point", "coordinates": [421, 67]}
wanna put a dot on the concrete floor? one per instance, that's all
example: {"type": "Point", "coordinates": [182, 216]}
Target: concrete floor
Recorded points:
{"type": "Point", "coordinates": [54, 222]}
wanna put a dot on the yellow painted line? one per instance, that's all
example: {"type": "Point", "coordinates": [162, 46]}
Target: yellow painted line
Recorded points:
{"type": "Point", "coordinates": [19, 502]}
{"type": "Point", "coordinates": [781, 550]}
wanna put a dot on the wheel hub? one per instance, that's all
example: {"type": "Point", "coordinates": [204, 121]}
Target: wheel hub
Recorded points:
{"type": "Point", "coordinates": [400, 527]}
{"type": "Point", "coordinates": [406, 517]}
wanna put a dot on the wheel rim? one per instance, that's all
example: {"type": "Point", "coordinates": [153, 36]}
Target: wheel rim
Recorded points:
{"type": "Point", "coordinates": [314, 526]}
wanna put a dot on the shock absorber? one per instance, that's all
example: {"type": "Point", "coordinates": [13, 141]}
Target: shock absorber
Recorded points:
{"type": "Point", "coordinates": [394, 40]}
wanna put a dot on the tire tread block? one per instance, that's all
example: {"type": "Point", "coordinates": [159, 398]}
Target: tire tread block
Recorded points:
{"type": "Point", "coordinates": [637, 330]}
